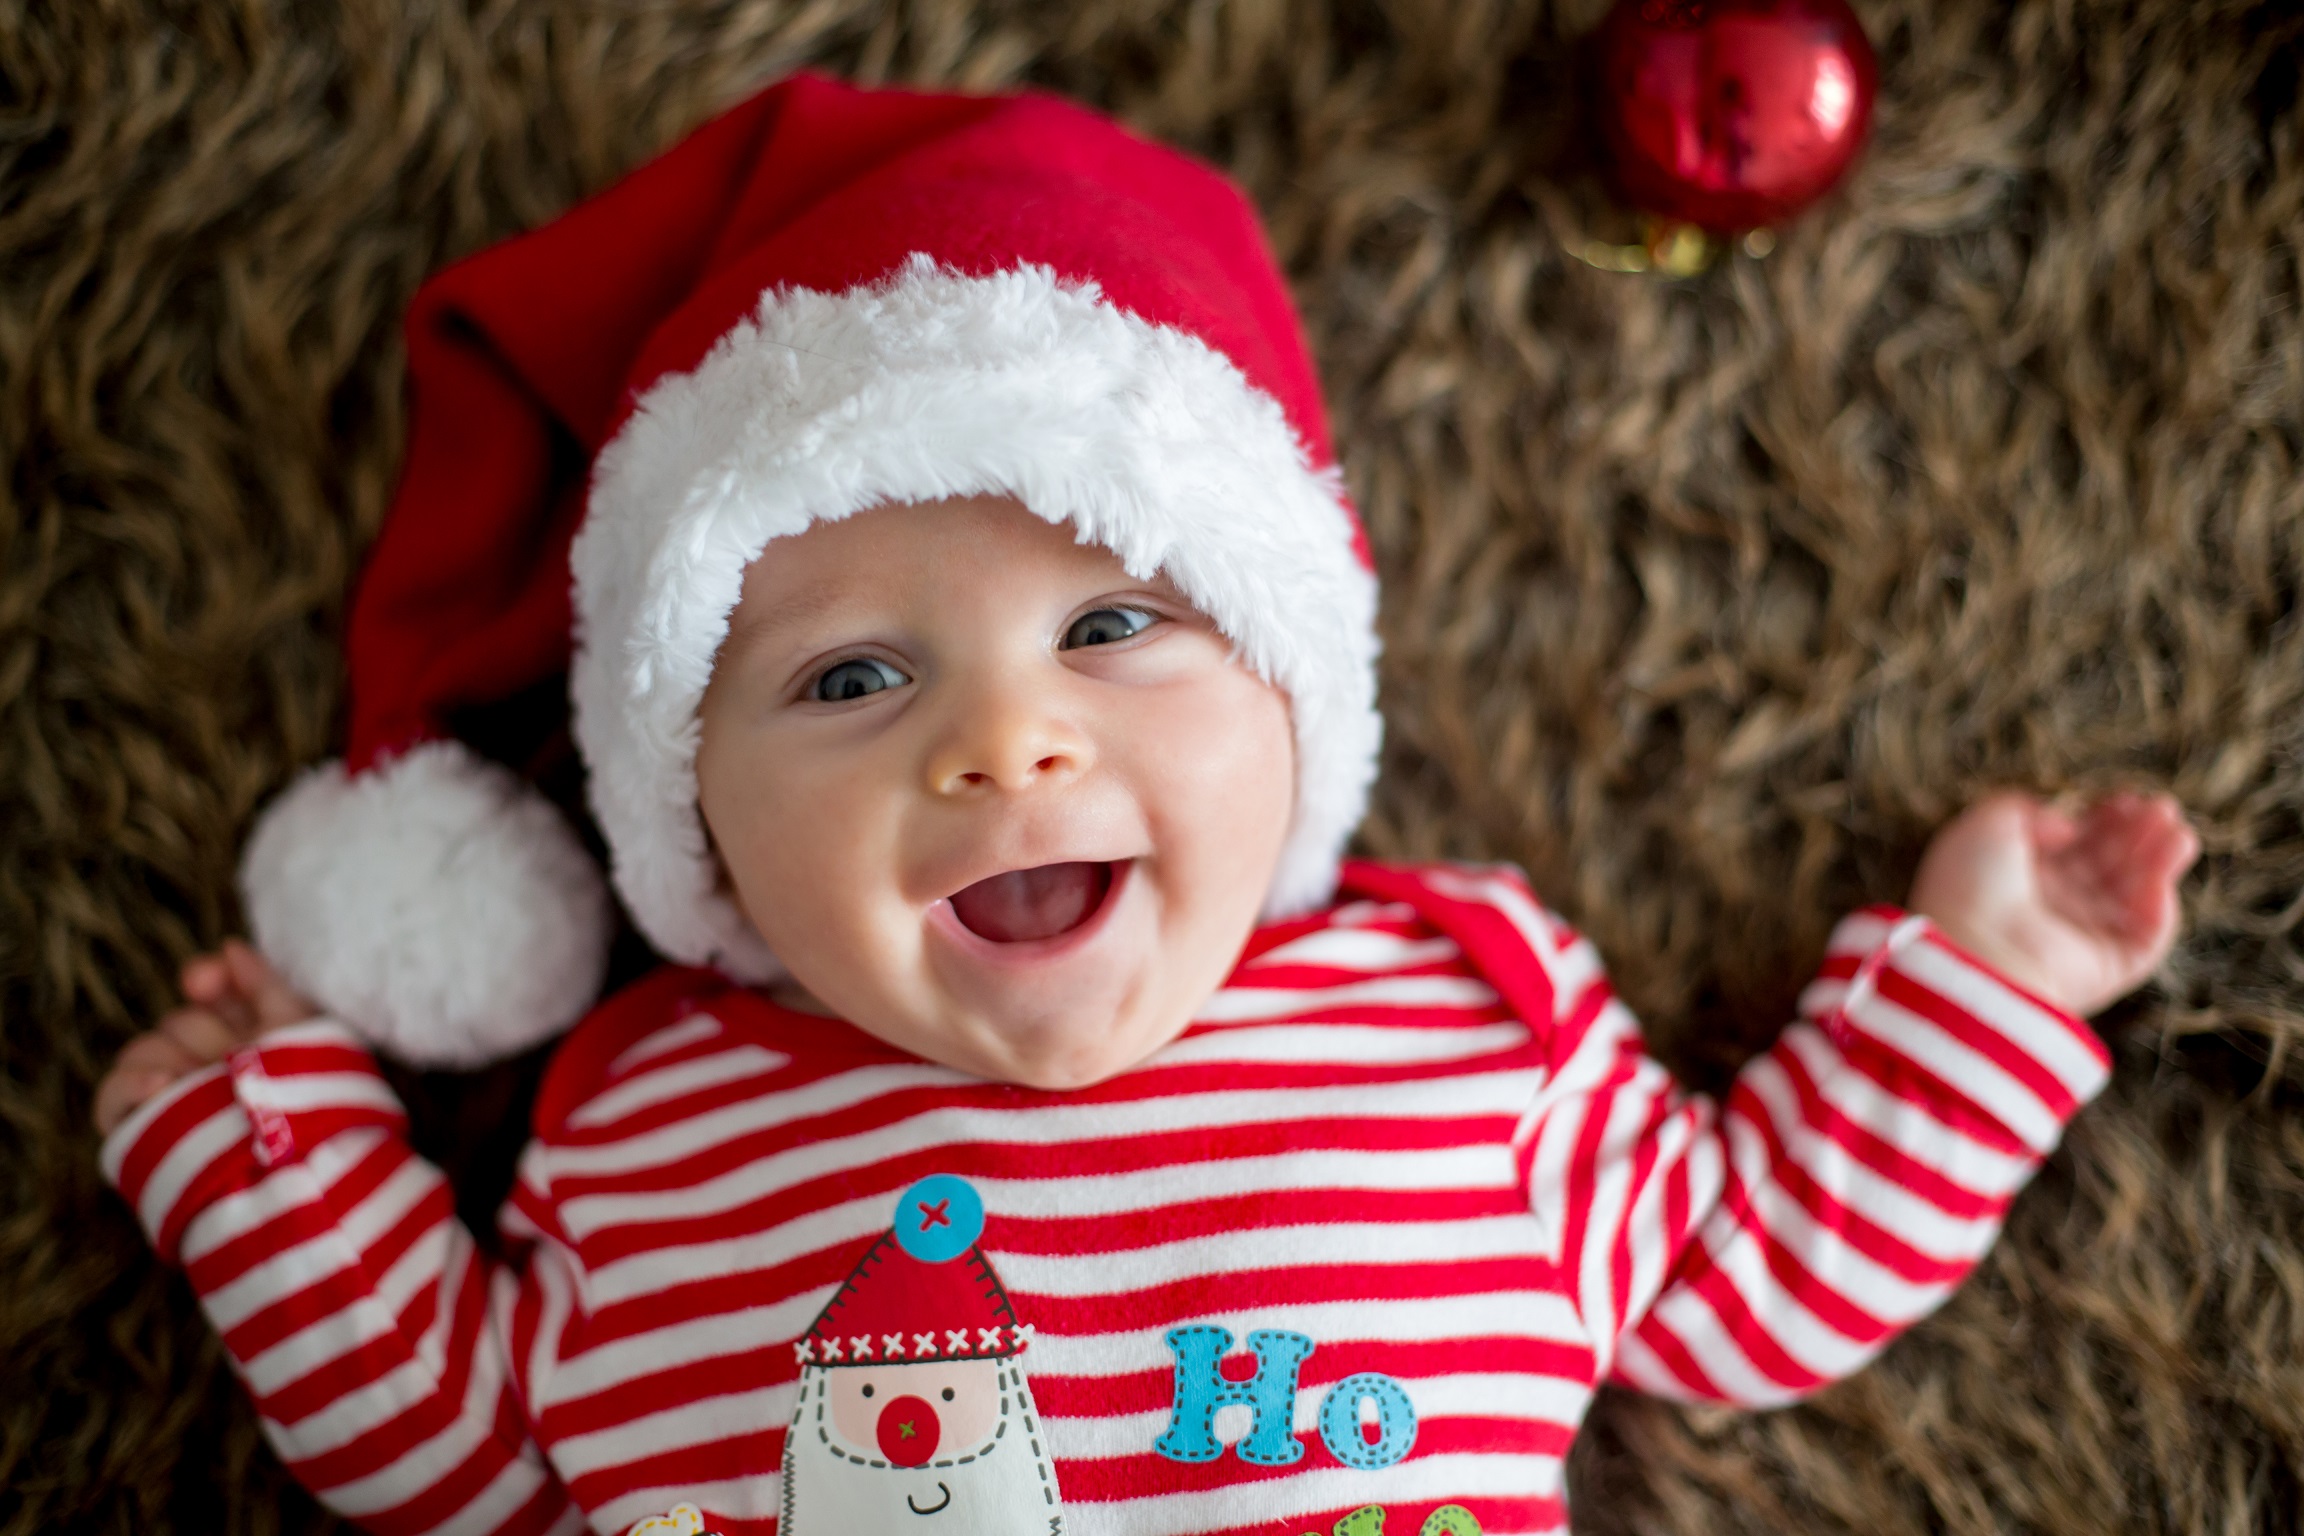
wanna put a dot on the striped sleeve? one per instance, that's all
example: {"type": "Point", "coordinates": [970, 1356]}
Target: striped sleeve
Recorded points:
{"type": "Point", "coordinates": [1754, 1251]}
{"type": "Point", "coordinates": [358, 1311]}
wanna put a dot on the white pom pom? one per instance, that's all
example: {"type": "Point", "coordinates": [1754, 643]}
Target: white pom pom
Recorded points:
{"type": "Point", "coordinates": [436, 904]}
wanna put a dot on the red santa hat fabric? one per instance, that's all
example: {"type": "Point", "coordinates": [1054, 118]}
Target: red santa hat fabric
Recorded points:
{"type": "Point", "coordinates": [824, 300]}
{"type": "Point", "coordinates": [924, 1291]}
{"type": "Point", "coordinates": [898, 1310]}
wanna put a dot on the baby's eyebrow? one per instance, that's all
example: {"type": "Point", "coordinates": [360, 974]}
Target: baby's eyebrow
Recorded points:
{"type": "Point", "coordinates": [751, 623]}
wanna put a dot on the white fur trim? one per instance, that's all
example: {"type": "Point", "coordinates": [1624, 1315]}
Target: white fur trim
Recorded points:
{"type": "Point", "coordinates": [927, 386]}
{"type": "Point", "coordinates": [435, 903]}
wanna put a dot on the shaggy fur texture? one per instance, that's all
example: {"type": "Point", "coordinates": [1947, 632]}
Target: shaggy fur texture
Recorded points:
{"type": "Point", "coordinates": [1707, 600]}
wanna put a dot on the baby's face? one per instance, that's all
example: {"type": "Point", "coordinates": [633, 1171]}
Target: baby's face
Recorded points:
{"type": "Point", "coordinates": [986, 795]}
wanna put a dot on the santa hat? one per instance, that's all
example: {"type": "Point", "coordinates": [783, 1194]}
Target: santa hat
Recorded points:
{"type": "Point", "coordinates": [922, 1292]}
{"type": "Point", "coordinates": [824, 300]}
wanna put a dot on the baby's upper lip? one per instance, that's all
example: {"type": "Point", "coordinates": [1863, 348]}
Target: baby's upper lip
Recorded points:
{"type": "Point", "coordinates": [949, 882]}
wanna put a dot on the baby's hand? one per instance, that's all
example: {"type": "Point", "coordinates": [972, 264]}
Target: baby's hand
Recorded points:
{"type": "Point", "coordinates": [2080, 909]}
{"type": "Point", "coordinates": [233, 996]}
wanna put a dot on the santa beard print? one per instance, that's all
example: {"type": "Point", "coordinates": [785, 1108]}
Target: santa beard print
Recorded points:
{"type": "Point", "coordinates": [956, 1452]}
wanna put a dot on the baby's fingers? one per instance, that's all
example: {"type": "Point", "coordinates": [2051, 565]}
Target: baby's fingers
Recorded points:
{"type": "Point", "coordinates": [208, 981]}
{"type": "Point", "coordinates": [241, 986]}
{"type": "Point", "coordinates": [205, 1034]}
{"type": "Point", "coordinates": [2146, 848]}
{"type": "Point", "coordinates": [2171, 847]}
{"type": "Point", "coordinates": [273, 1003]}
{"type": "Point", "coordinates": [153, 1051]}
{"type": "Point", "coordinates": [2130, 831]}
{"type": "Point", "coordinates": [147, 1064]}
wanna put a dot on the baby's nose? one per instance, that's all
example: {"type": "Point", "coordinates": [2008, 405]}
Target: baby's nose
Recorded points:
{"type": "Point", "coordinates": [908, 1431]}
{"type": "Point", "coordinates": [1005, 735]}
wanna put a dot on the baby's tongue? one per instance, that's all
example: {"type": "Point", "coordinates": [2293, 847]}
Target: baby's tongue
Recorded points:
{"type": "Point", "coordinates": [1032, 903]}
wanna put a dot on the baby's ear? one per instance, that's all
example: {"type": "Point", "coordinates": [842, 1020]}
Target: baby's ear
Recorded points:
{"type": "Point", "coordinates": [724, 883]}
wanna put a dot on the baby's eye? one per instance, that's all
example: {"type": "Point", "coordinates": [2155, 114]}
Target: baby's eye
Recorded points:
{"type": "Point", "coordinates": [855, 679]}
{"type": "Point", "coordinates": [1106, 625]}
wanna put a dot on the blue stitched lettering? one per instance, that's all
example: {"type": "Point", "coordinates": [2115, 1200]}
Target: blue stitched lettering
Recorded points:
{"type": "Point", "coordinates": [1340, 1421]}
{"type": "Point", "coordinates": [1270, 1394]}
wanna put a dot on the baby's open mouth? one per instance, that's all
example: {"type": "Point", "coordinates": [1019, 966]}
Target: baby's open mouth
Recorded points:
{"type": "Point", "coordinates": [1026, 904]}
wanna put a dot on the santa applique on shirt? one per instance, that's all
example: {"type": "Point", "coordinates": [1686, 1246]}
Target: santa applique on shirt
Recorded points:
{"type": "Point", "coordinates": [912, 1390]}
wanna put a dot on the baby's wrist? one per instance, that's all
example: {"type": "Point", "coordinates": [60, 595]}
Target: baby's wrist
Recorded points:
{"type": "Point", "coordinates": [2012, 962]}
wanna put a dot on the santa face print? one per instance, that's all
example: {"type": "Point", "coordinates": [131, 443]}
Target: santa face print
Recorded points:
{"type": "Point", "coordinates": [910, 1413]}
{"type": "Point", "coordinates": [988, 796]}
{"type": "Point", "coordinates": [917, 1471]}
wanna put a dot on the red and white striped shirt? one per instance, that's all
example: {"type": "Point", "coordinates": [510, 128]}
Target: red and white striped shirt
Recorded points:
{"type": "Point", "coordinates": [1416, 1129]}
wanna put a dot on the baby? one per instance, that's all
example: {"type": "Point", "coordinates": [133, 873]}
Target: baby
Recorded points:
{"type": "Point", "coordinates": [971, 661]}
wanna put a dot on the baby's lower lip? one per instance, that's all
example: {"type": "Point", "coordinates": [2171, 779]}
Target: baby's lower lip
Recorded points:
{"type": "Point", "coordinates": [1029, 906]}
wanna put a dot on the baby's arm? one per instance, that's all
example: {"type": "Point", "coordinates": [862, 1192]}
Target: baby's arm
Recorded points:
{"type": "Point", "coordinates": [265, 1153]}
{"type": "Point", "coordinates": [1754, 1251]}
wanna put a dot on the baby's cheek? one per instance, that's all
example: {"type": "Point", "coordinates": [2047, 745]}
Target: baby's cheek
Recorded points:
{"type": "Point", "coordinates": [1224, 773]}
{"type": "Point", "coordinates": [801, 849]}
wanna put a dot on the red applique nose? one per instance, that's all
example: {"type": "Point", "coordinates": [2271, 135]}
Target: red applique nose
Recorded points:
{"type": "Point", "coordinates": [908, 1432]}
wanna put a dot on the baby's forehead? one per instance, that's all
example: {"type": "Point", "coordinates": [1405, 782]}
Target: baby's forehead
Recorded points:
{"type": "Point", "coordinates": [961, 549]}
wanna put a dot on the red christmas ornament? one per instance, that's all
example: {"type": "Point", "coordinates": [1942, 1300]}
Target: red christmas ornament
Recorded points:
{"type": "Point", "coordinates": [1732, 114]}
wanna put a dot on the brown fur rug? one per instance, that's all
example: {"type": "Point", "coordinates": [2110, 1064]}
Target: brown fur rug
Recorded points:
{"type": "Point", "coordinates": [1705, 600]}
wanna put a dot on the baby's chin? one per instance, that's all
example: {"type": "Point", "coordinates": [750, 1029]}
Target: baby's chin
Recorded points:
{"type": "Point", "coordinates": [1046, 1043]}
{"type": "Point", "coordinates": [1060, 1067]}
{"type": "Point", "coordinates": [1061, 1011]}
{"type": "Point", "coordinates": [1070, 1029]}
